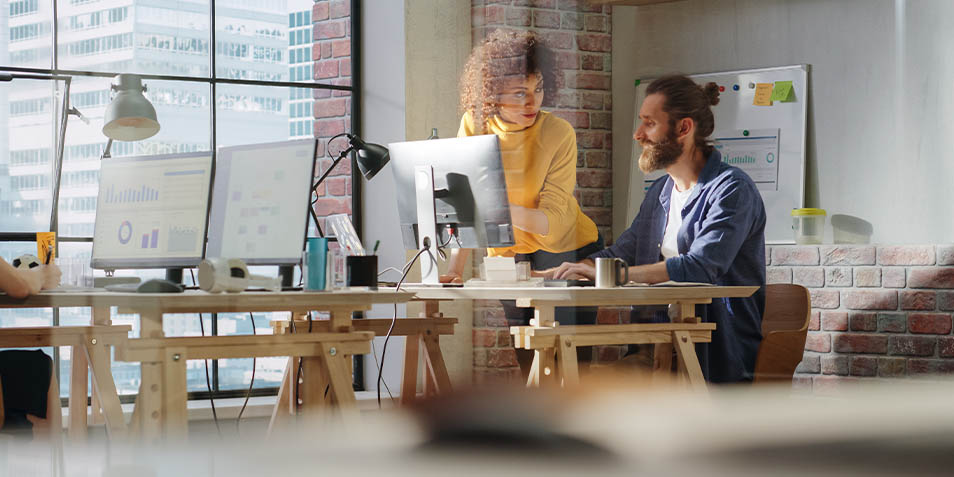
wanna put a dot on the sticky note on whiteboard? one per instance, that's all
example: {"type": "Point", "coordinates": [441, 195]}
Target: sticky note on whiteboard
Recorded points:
{"type": "Point", "coordinates": [783, 92]}
{"type": "Point", "coordinates": [763, 94]}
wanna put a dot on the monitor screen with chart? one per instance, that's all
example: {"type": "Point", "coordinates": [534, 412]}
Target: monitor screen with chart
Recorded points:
{"type": "Point", "coordinates": [260, 202]}
{"type": "Point", "coordinates": [151, 211]}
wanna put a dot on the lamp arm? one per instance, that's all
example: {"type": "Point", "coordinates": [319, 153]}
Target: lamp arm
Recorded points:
{"type": "Point", "coordinates": [58, 165]}
{"type": "Point", "coordinates": [109, 146]}
{"type": "Point", "coordinates": [338, 159]}
{"type": "Point", "coordinates": [314, 188]}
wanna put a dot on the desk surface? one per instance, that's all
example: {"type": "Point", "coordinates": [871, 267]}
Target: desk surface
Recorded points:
{"type": "Point", "coordinates": [605, 295]}
{"type": "Point", "coordinates": [195, 301]}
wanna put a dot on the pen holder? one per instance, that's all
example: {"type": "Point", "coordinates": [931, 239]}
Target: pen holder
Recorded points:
{"type": "Point", "coordinates": [362, 271]}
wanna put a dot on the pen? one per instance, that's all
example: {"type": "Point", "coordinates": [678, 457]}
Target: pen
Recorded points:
{"type": "Point", "coordinates": [49, 254]}
{"type": "Point", "coordinates": [375, 250]}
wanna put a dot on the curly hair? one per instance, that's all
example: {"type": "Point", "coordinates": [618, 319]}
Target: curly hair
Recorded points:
{"type": "Point", "coordinates": [501, 56]}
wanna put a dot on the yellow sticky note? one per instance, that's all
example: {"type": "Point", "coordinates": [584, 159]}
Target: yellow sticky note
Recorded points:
{"type": "Point", "coordinates": [45, 243]}
{"type": "Point", "coordinates": [783, 92]}
{"type": "Point", "coordinates": [763, 94]}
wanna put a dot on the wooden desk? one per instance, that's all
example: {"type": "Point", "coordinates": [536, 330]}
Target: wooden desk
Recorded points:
{"type": "Point", "coordinates": [89, 347]}
{"type": "Point", "coordinates": [161, 404]}
{"type": "Point", "coordinates": [548, 339]}
{"type": "Point", "coordinates": [422, 343]}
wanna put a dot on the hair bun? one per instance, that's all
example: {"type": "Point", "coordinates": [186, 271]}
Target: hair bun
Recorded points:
{"type": "Point", "coordinates": [711, 90]}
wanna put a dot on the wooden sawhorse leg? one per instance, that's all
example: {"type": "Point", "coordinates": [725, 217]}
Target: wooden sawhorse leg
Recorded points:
{"type": "Point", "coordinates": [79, 390]}
{"type": "Point", "coordinates": [543, 369]}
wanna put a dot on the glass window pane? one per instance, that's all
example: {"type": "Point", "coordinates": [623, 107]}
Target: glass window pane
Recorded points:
{"type": "Point", "coordinates": [170, 38]}
{"type": "Point", "coordinates": [251, 114]}
{"type": "Point", "coordinates": [183, 110]}
{"type": "Point", "coordinates": [26, 34]}
{"type": "Point", "coordinates": [259, 42]}
{"type": "Point", "coordinates": [28, 109]}
{"type": "Point", "coordinates": [237, 373]}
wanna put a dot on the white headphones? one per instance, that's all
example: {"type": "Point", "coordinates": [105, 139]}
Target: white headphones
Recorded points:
{"type": "Point", "coordinates": [231, 275]}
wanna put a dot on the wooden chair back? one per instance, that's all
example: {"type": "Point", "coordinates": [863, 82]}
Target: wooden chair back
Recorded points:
{"type": "Point", "coordinates": [784, 330]}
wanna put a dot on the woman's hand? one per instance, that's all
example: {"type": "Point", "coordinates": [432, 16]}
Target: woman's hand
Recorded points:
{"type": "Point", "coordinates": [50, 276]}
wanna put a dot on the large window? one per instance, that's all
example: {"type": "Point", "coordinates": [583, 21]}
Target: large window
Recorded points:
{"type": "Point", "coordinates": [219, 72]}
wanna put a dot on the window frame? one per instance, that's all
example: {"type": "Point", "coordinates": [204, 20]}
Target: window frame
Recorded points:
{"type": "Point", "coordinates": [213, 81]}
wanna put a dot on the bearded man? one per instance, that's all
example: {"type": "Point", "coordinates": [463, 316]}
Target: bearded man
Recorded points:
{"type": "Point", "coordinates": [703, 221]}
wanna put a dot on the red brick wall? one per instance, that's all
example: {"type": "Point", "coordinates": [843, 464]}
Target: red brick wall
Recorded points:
{"type": "Point", "coordinates": [878, 312]}
{"type": "Point", "coordinates": [580, 35]}
{"type": "Point", "coordinates": [332, 109]}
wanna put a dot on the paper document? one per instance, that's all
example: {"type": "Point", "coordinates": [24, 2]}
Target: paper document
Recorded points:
{"type": "Point", "coordinates": [669, 283]}
{"type": "Point", "coordinates": [74, 289]}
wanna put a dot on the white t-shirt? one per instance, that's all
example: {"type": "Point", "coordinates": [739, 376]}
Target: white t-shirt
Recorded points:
{"type": "Point", "coordinates": [677, 201]}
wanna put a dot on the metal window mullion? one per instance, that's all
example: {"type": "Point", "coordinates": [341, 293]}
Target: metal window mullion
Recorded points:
{"type": "Point", "coordinates": [55, 225]}
{"type": "Point", "coordinates": [213, 143]}
{"type": "Point", "coordinates": [358, 373]}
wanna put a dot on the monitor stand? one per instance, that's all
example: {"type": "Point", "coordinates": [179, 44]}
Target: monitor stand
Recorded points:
{"type": "Point", "coordinates": [287, 272]}
{"type": "Point", "coordinates": [174, 275]}
{"type": "Point", "coordinates": [426, 224]}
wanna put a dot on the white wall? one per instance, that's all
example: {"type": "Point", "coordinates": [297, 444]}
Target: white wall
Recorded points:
{"type": "Point", "coordinates": [881, 94]}
{"type": "Point", "coordinates": [382, 122]}
{"type": "Point", "coordinates": [412, 54]}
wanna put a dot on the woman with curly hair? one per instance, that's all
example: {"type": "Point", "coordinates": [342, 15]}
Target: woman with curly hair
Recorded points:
{"type": "Point", "coordinates": [506, 80]}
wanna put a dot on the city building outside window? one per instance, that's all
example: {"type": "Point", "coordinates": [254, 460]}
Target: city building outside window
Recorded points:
{"type": "Point", "coordinates": [259, 40]}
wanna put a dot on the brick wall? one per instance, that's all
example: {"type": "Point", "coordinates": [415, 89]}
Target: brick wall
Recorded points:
{"type": "Point", "coordinates": [580, 36]}
{"type": "Point", "coordinates": [878, 312]}
{"type": "Point", "coordinates": [332, 109]}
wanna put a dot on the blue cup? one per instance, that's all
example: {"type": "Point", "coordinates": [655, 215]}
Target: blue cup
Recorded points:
{"type": "Point", "coordinates": [316, 258]}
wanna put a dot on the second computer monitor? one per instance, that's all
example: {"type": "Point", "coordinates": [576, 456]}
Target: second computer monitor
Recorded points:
{"type": "Point", "coordinates": [470, 191]}
{"type": "Point", "coordinates": [260, 202]}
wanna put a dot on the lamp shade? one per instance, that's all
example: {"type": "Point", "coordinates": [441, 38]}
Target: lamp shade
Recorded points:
{"type": "Point", "coordinates": [129, 116]}
{"type": "Point", "coordinates": [371, 157]}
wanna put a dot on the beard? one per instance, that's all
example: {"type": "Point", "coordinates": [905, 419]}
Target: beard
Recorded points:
{"type": "Point", "coordinates": [659, 155]}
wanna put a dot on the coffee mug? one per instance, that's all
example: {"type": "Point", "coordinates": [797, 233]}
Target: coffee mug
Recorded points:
{"type": "Point", "coordinates": [608, 272]}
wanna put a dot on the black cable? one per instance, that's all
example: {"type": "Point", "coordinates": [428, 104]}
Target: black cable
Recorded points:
{"type": "Point", "coordinates": [208, 383]}
{"type": "Point", "coordinates": [297, 388]}
{"type": "Point", "coordinates": [251, 383]}
{"type": "Point", "coordinates": [384, 349]}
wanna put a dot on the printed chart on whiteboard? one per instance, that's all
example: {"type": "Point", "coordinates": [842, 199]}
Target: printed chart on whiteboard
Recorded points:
{"type": "Point", "coordinates": [755, 152]}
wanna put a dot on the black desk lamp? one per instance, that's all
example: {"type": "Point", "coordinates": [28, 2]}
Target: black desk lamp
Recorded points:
{"type": "Point", "coordinates": [371, 158]}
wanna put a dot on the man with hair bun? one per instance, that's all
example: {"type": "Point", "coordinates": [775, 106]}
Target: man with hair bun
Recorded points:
{"type": "Point", "coordinates": [703, 221]}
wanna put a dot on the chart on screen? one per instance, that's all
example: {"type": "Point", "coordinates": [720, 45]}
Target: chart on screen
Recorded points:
{"type": "Point", "coordinates": [151, 210]}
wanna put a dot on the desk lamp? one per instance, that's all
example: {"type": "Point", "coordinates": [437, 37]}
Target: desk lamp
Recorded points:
{"type": "Point", "coordinates": [129, 116]}
{"type": "Point", "coordinates": [371, 159]}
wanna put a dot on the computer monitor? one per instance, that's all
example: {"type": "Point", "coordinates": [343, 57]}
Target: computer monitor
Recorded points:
{"type": "Point", "coordinates": [452, 190]}
{"type": "Point", "coordinates": [260, 202]}
{"type": "Point", "coordinates": [151, 211]}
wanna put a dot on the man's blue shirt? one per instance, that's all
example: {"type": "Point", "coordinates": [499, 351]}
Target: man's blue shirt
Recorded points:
{"type": "Point", "coordinates": [721, 241]}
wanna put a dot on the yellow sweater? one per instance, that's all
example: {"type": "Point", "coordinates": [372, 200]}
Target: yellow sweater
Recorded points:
{"type": "Point", "coordinates": [540, 169]}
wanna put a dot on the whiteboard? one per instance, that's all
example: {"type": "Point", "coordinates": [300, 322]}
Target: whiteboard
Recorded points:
{"type": "Point", "coordinates": [736, 114]}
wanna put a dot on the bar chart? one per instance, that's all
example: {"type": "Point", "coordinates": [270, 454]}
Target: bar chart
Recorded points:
{"type": "Point", "coordinates": [131, 195]}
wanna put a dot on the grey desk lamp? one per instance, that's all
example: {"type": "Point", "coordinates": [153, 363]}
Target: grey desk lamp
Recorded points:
{"type": "Point", "coordinates": [129, 116]}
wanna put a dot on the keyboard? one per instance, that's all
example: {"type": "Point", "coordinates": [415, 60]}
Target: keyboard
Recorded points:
{"type": "Point", "coordinates": [566, 282]}
{"type": "Point", "coordinates": [123, 287]}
